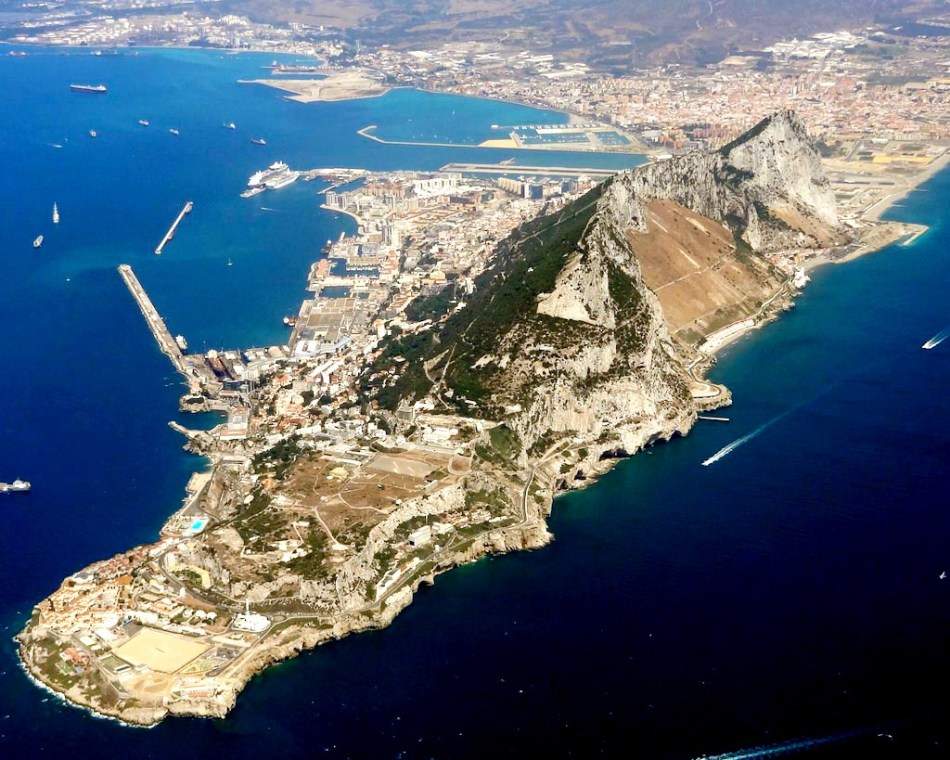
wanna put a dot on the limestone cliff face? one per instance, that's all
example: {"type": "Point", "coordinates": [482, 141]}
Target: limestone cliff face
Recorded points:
{"type": "Point", "coordinates": [591, 357]}
{"type": "Point", "coordinates": [601, 366]}
{"type": "Point", "coordinates": [768, 185]}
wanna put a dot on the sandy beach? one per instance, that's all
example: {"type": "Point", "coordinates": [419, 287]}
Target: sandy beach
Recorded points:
{"type": "Point", "coordinates": [875, 236]}
{"type": "Point", "coordinates": [905, 186]}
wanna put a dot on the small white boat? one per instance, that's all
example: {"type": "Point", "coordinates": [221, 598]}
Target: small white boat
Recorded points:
{"type": "Point", "coordinates": [93, 133]}
{"type": "Point", "coordinates": [55, 214]}
{"type": "Point", "coordinates": [174, 131]}
{"type": "Point", "coordinates": [38, 241]}
{"type": "Point", "coordinates": [143, 122]}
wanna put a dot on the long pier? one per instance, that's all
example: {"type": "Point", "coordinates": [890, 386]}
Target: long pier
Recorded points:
{"type": "Point", "coordinates": [186, 209]}
{"type": "Point", "coordinates": [154, 320]}
{"type": "Point", "coordinates": [559, 171]}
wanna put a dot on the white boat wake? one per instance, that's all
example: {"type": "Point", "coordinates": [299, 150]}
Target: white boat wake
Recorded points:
{"type": "Point", "coordinates": [730, 447]}
{"type": "Point", "coordinates": [937, 339]}
{"type": "Point", "coordinates": [794, 746]}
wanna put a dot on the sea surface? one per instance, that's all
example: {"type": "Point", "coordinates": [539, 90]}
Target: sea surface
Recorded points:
{"type": "Point", "coordinates": [783, 600]}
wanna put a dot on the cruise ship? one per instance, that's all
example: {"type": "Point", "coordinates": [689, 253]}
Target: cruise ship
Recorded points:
{"type": "Point", "coordinates": [274, 177]}
{"type": "Point", "coordinates": [88, 87]}
{"type": "Point", "coordinates": [15, 487]}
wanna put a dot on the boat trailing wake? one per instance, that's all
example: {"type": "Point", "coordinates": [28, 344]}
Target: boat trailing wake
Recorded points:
{"type": "Point", "coordinates": [730, 447]}
{"type": "Point", "coordinates": [795, 745]}
{"type": "Point", "coordinates": [937, 339]}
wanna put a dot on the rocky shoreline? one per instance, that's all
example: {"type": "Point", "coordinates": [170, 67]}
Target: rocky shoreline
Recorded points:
{"type": "Point", "coordinates": [293, 638]}
{"type": "Point", "coordinates": [621, 383]}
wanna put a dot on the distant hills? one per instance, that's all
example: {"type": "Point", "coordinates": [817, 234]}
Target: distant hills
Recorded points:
{"type": "Point", "coordinates": [607, 33]}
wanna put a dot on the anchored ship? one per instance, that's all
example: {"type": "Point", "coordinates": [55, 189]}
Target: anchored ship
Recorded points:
{"type": "Point", "coordinates": [88, 87]}
{"type": "Point", "coordinates": [17, 486]}
{"type": "Point", "coordinates": [259, 141]}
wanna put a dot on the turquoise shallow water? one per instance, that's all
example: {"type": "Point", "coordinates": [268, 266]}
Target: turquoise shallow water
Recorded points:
{"type": "Point", "coordinates": [788, 591]}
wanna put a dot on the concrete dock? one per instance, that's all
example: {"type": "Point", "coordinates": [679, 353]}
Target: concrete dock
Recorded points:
{"type": "Point", "coordinates": [557, 171]}
{"type": "Point", "coordinates": [154, 320]}
{"type": "Point", "coordinates": [186, 209]}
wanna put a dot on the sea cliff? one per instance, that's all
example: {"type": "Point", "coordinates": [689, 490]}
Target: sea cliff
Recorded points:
{"type": "Point", "coordinates": [582, 343]}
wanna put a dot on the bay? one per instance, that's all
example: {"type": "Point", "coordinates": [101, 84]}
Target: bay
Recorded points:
{"type": "Point", "coordinates": [786, 596]}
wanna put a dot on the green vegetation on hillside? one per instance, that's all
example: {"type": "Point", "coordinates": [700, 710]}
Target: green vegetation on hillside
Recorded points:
{"type": "Point", "coordinates": [526, 265]}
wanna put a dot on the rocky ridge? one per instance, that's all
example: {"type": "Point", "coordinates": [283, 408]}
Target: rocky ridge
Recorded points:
{"type": "Point", "coordinates": [589, 354]}
{"type": "Point", "coordinates": [562, 360]}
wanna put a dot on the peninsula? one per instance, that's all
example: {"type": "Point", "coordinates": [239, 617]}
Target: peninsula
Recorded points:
{"type": "Point", "coordinates": [479, 346]}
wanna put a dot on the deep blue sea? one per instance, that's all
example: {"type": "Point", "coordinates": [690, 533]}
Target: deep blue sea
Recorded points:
{"type": "Point", "coordinates": [786, 597]}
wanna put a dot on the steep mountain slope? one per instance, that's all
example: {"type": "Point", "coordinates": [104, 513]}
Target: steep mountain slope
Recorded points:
{"type": "Point", "coordinates": [566, 335]}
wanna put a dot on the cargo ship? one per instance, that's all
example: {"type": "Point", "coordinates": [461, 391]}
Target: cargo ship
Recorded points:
{"type": "Point", "coordinates": [17, 486]}
{"type": "Point", "coordinates": [88, 87]}
{"type": "Point", "coordinates": [259, 141]}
